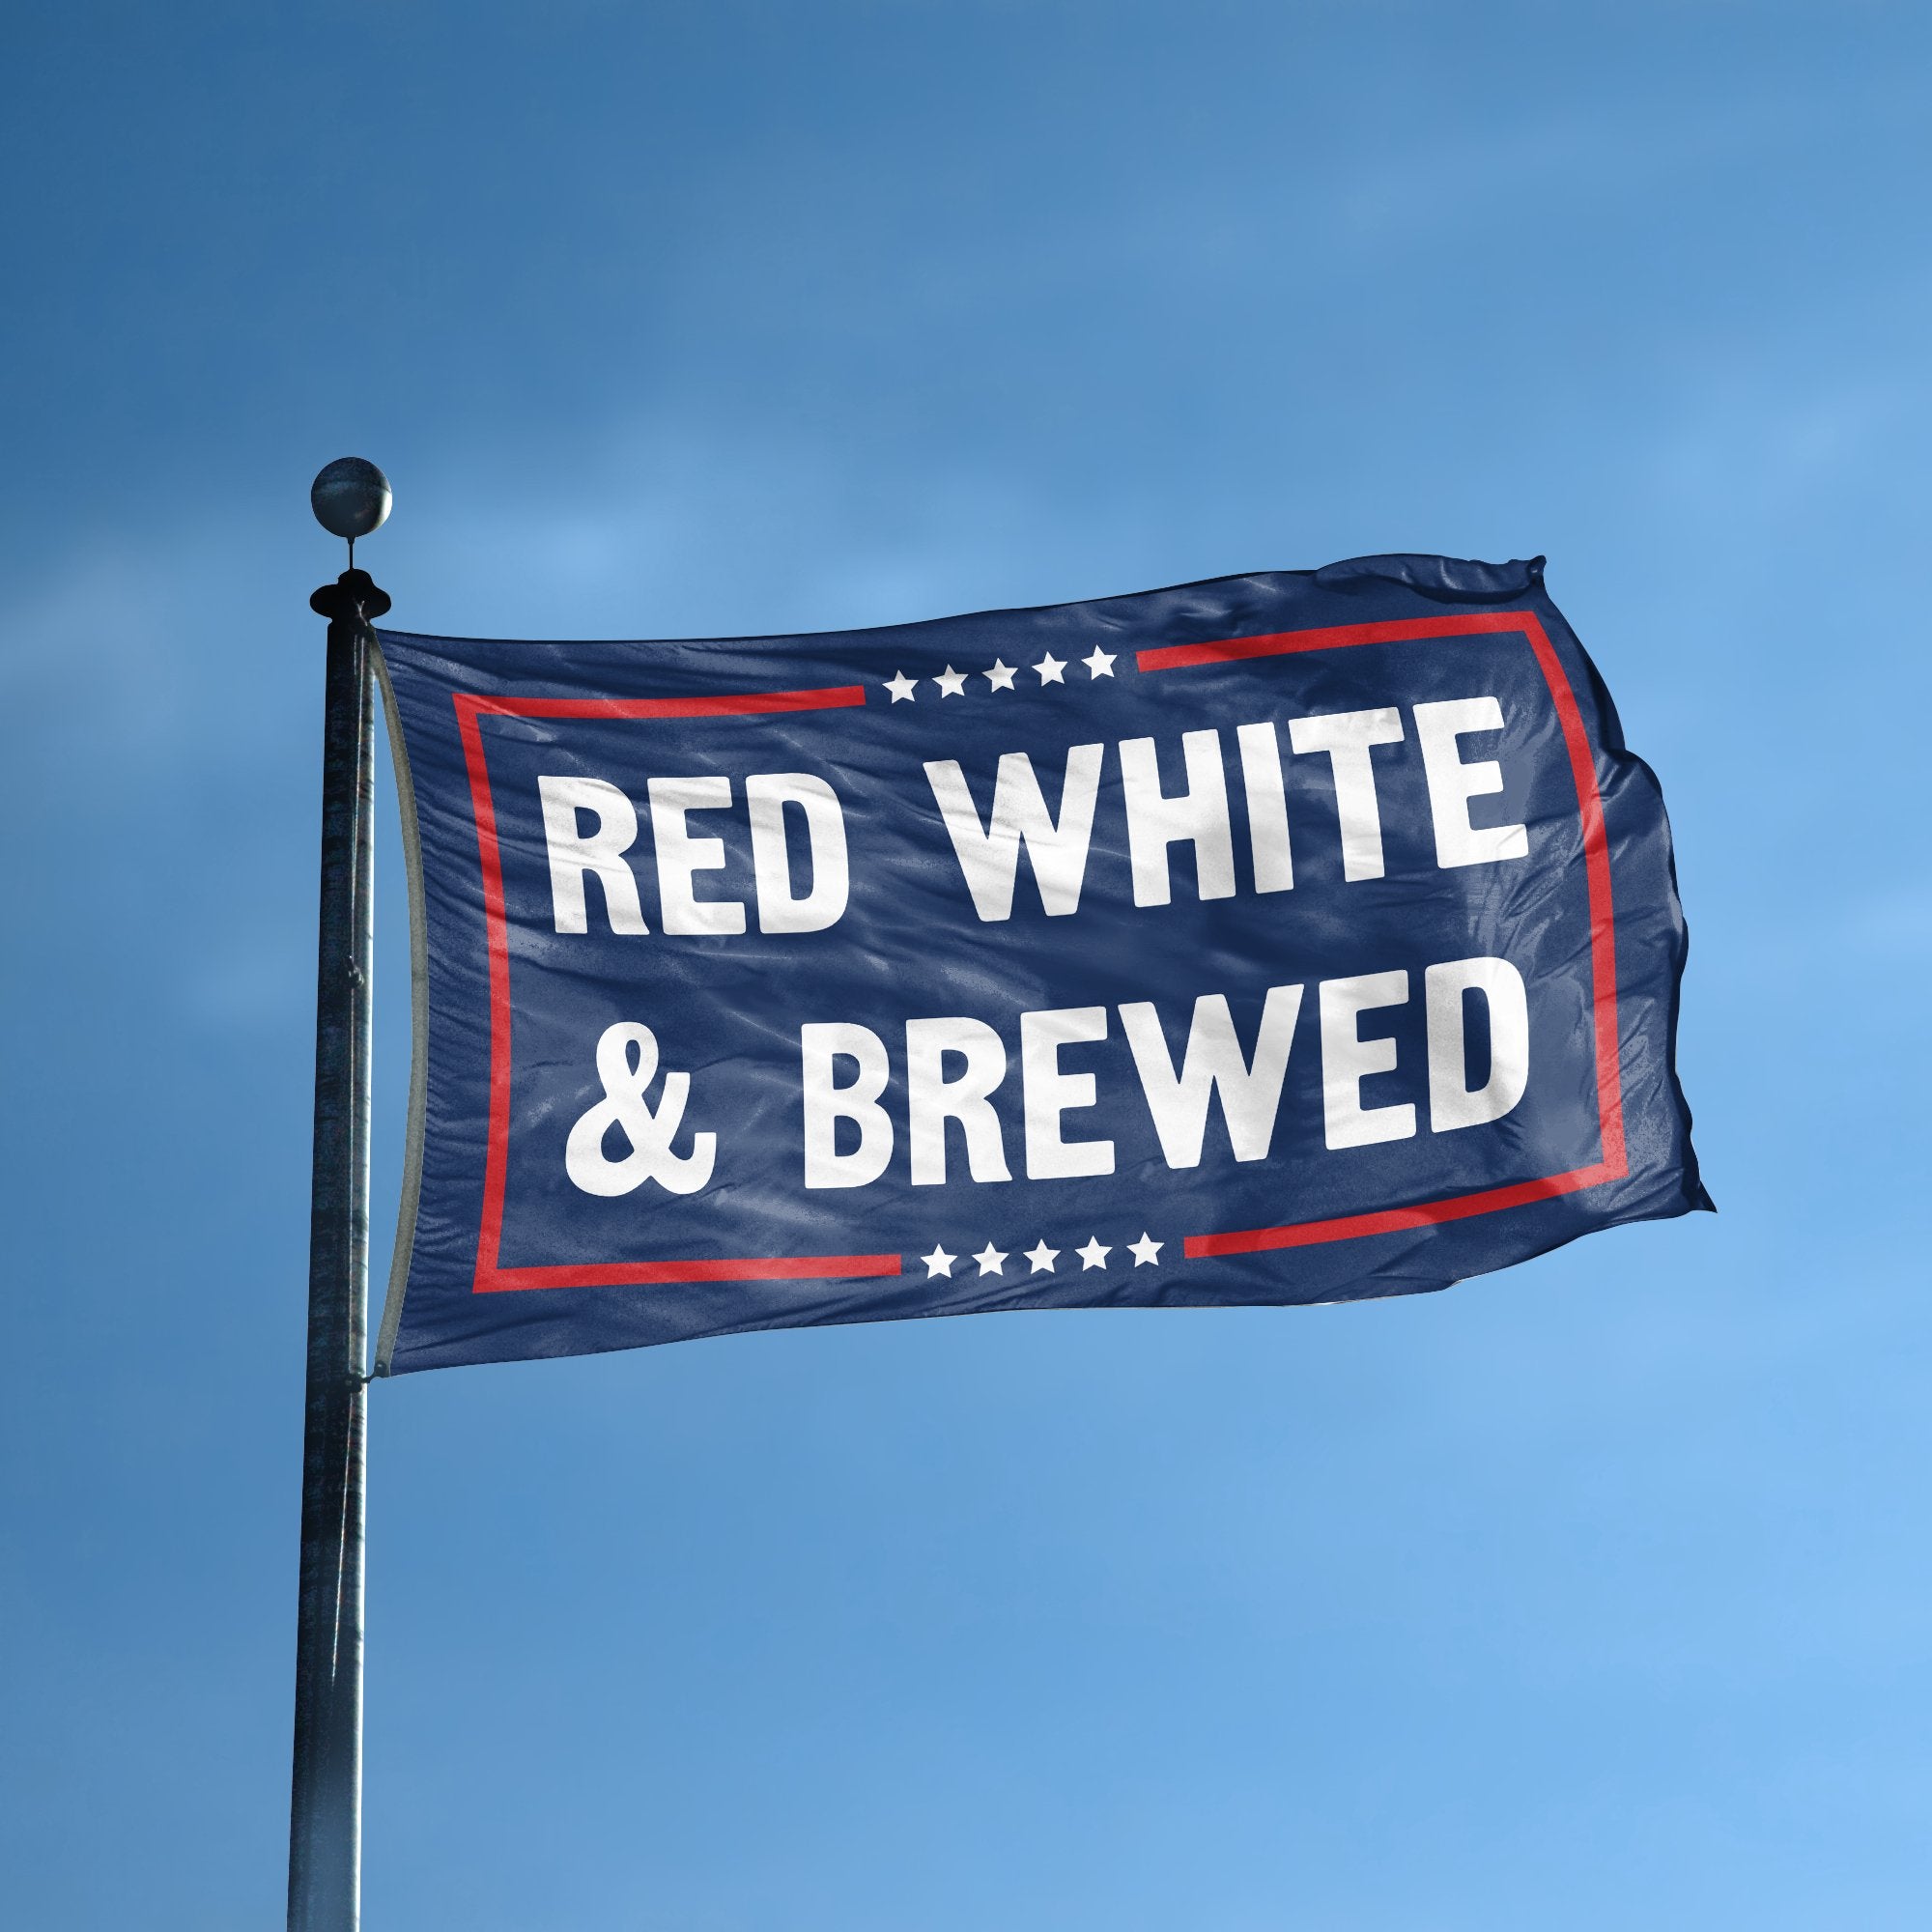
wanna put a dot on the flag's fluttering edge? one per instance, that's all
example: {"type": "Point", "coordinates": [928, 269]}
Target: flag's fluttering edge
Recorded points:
{"type": "Point", "coordinates": [1289, 938]}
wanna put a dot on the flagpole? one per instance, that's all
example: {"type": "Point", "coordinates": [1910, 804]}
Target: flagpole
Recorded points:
{"type": "Point", "coordinates": [350, 499]}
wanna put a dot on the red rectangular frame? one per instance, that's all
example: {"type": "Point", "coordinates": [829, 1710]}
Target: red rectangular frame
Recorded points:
{"type": "Point", "coordinates": [472, 706]}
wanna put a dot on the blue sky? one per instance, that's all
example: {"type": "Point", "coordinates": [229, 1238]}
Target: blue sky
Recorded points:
{"type": "Point", "coordinates": [1591, 1595]}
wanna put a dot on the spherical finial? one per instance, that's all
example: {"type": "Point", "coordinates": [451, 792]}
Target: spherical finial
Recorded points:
{"type": "Point", "coordinates": [350, 496]}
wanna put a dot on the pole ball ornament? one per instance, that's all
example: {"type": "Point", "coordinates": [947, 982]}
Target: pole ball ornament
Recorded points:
{"type": "Point", "coordinates": [350, 496]}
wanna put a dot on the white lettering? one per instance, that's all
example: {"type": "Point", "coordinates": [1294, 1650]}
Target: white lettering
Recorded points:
{"type": "Point", "coordinates": [648, 1129]}
{"type": "Point", "coordinates": [990, 856]}
{"type": "Point", "coordinates": [1049, 1092]}
{"type": "Point", "coordinates": [1452, 783]}
{"type": "Point", "coordinates": [933, 1099]}
{"type": "Point", "coordinates": [1197, 816]}
{"type": "Point", "coordinates": [573, 853]}
{"type": "Point", "coordinates": [1347, 736]}
{"type": "Point", "coordinates": [826, 1104]}
{"type": "Point", "coordinates": [1347, 1060]}
{"type": "Point", "coordinates": [1213, 1062]}
{"type": "Point", "coordinates": [1268, 807]}
{"type": "Point", "coordinates": [1452, 1101]}
{"type": "Point", "coordinates": [780, 908]}
{"type": "Point", "coordinates": [680, 854]}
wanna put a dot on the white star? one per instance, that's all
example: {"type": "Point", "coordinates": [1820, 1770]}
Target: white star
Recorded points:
{"type": "Point", "coordinates": [952, 683]}
{"type": "Point", "coordinates": [1092, 1255]}
{"type": "Point", "coordinates": [1100, 664]}
{"type": "Point", "coordinates": [938, 1261]}
{"type": "Point", "coordinates": [991, 1261]}
{"type": "Point", "coordinates": [1042, 1258]}
{"type": "Point", "coordinates": [901, 687]}
{"type": "Point", "coordinates": [1049, 668]}
{"type": "Point", "coordinates": [1145, 1250]}
{"type": "Point", "coordinates": [1001, 676]}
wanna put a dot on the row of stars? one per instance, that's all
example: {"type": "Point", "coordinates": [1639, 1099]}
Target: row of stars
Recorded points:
{"type": "Point", "coordinates": [992, 1260]}
{"type": "Point", "coordinates": [952, 683]}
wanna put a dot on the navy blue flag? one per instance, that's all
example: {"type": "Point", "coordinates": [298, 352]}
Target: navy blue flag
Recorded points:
{"type": "Point", "coordinates": [1299, 937]}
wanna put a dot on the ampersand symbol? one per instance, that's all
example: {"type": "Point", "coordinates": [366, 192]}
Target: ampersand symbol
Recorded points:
{"type": "Point", "coordinates": [649, 1130]}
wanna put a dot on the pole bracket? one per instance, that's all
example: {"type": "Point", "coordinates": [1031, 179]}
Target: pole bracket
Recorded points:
{"type": "Point", "coordinates": [354, 598]}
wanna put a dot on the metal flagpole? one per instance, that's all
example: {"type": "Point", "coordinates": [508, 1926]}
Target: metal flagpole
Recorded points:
{"type": "Point", "coordinates": [350, 499]}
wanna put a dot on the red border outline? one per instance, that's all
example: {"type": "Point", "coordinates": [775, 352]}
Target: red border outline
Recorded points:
{"type": "Point", "coordinates": [491, 1277]}
{"type": "Point", "coordinates": [1615, 1163]}
{"type": "Point", "coordinates": [470, 706]}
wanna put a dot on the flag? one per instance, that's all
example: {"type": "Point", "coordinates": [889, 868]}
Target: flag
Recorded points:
{"type": "Point", "coordinates": [1298, 937]}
